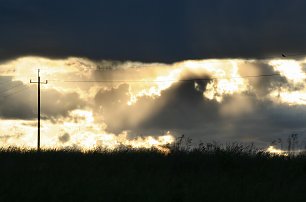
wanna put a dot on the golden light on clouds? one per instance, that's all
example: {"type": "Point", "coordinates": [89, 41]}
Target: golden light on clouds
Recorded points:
{"type": "Point", "coordinates": [226, 70]}
{"type": "Point", "coordinates": [57, 71]}
{"type": "Point", "coordinates": [291, 98]}
{"type": "Point", "coordinates": [71, 133]}
{"type": "Point", "coordinates": [80, 127]}
{"type": "Point", "coordinates": [290, 69]}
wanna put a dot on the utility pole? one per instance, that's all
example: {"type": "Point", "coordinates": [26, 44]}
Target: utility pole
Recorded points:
{"type": "Point", "coordinates": [38, 107]}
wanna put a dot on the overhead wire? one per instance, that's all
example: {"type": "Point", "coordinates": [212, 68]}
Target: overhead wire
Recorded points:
{"type": "Point", "coordinates": [16, 92]}
{"type": "Point", "coordinates": [139, 81]}
{"type": "Point", "coordinates": [8, 89]}
{"type": "Point", "coordinates": [169, 80]}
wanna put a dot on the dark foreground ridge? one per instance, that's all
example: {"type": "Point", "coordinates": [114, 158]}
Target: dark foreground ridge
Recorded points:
{"type": "Point", "coordinates": [202, 174]}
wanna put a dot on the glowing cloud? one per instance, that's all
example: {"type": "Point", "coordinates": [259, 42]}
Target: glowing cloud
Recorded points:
{"type": "Point", "coordinates": [86, 128]}
{"type": "Point", "coordinates": [79, 131]}
{"type": "Point", "coordinates": [290, 69]}
{"type": "Point", "coordinates": [293, 71]}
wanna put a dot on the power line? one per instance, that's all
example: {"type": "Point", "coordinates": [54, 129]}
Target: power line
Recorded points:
{"type": "Point", "coordinates": [136, 81]}
{"type": "Point", "coordinates": [158, 81]}
{"type": "Point", "coordinates": [1, 92]}
{"type": "Point", "coordinates": [3, 82]}
{"type": "Point", "coordinates": [16, 92]}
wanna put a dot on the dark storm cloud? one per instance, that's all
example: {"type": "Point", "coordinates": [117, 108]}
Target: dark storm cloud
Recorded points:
{"type": "Point", "coordinates": [55, 104]}
{"type": "Point", "coordinates": [185, 108]}
{"type": "Point", "coordinates": [17, 106]}
{"type": "Point", "coordinates": [151, 30]}
{"type": "Point", "coordinates": [264, 85]}
{"type": "Point", "coordinates": [18, 101]}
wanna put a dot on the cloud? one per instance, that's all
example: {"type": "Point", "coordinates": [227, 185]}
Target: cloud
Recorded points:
{"type": "Point", "coordinates": [19, 101]}
{"type": "Point", "coordinates": [111, 107]}
{"type": "Point", "coordinates": [64, 138]}
{"type": "Point", "coordinates": [55, 104]}
{"type": "Point", "coordinates": [251, 114]}
{"type": "Point", "coordinates": [152, 31]}
{"type": "Point", "coordinates": [204, 99]}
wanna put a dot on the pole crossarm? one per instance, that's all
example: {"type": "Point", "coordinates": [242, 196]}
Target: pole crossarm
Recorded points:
{"type": "Point", "coordinates": [46, 82]}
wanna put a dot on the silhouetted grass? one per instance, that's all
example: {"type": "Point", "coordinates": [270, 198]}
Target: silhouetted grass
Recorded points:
{"type": "Point", "coordinates": [209, 172]}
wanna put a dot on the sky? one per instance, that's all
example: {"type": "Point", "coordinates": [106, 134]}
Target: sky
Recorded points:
{"type": "Point", "coordinates": [166, 68]}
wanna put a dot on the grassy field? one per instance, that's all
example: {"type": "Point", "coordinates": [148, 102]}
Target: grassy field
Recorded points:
{"type": "Point", "coordinates": [208, 173]}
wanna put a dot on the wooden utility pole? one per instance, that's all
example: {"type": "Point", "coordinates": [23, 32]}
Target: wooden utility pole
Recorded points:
{"type": "Point", "coordinates": [38, 107]}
